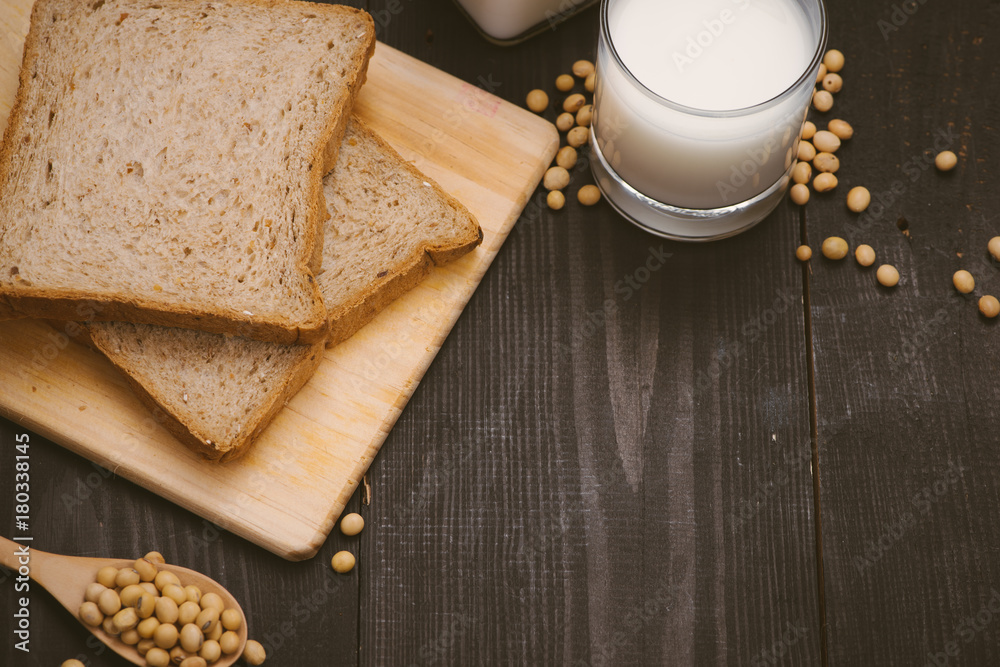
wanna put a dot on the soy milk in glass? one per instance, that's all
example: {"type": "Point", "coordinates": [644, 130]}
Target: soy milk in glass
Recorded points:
{"type": "Point", "coordinates": [699, 106]}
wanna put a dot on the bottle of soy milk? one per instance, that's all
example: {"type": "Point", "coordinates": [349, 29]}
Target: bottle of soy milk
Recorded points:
{"type": "Point", "coordinates": [511, 21]}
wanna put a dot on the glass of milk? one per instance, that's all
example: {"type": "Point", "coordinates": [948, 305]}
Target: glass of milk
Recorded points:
{"type": "Point", "coordinates": [508, 22]}
{"type": "Point", "coordinates": [698, 109]}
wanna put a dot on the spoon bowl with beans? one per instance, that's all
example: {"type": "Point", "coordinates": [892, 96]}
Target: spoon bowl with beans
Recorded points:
{"type": "Point", "coordinates": [73, 582]}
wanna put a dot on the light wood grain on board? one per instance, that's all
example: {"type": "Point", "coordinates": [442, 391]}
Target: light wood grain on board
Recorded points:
{"type": "Point", "coordinates": [288, 491]}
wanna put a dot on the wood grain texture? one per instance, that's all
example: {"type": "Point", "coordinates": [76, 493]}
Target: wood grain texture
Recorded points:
{"type": "Point", "coordinates": [287, 492]}
{"type": "Point", "coordinates": [597, 490]}
{"type": "Point", "coordinates": [907, 378]}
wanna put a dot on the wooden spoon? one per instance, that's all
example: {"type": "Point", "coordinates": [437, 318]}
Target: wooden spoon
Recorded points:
{"type": "Point", "coordinates": [67, 577]}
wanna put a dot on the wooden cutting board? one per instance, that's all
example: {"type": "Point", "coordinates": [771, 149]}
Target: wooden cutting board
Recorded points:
{"type": "Point", "coordinates": [288, 491]}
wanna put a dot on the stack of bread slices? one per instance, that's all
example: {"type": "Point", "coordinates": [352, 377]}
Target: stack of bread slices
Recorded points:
{"type": "Point", "coordinates": [186, 176]}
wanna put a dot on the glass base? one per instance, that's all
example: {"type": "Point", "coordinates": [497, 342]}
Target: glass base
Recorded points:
{"type": "Point", "coordinates": [681, 224]}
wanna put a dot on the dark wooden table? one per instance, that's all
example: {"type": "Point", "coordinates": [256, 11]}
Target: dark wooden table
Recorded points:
{"type": "Point", "coordinates": [747, 462]}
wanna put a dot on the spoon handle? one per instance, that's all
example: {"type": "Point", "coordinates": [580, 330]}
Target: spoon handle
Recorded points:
{"type": "Point", "coordinates": [65, 577]}
{"type": "Point", "coordinates": [14, 555]}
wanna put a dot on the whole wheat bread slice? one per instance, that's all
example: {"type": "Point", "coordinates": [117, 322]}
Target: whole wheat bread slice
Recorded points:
{"type": "Point", "coordinates": [164, 160]}
{"type": "Point", "coordinates": [389, 224]}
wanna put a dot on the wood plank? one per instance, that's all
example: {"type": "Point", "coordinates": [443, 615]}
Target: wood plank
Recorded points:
{"type": "Point", "coordinates": [286, 493]}
{"type": "Point", "coordinates": [906, 379]}
{"type": "Point", "coordinates": [593, 490]}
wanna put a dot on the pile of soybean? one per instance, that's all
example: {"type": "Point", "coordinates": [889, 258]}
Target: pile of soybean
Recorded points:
{"type": "Point", "coordinates": [817, 150]}
{"type": "Point", "coordinates": [167, 622]}
{"type": "Point", "coordinates": [574, 121]}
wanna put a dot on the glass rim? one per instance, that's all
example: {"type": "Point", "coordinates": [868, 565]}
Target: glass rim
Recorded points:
{"type": "Point", "coordinates": [723, 113]}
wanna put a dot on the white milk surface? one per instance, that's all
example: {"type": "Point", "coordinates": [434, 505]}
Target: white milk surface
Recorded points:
{"type": "Point", "coordinates": [712, 54]}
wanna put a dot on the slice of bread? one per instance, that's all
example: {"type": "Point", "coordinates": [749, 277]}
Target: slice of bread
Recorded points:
{"type": "Point", "coordinates": [164, 160]}
{"type": "Point", "coordinates": [389, 224]}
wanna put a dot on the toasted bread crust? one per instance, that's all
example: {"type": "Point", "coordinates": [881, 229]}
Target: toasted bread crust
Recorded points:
{"type": "Point", "coordinates": [62, 304]}
{"type": "Point", "coordinates": [346, 319]}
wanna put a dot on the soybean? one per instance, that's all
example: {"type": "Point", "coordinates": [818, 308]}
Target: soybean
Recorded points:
{"type": "Point", "coordinates": [826, 142]}
{"type": "Point", "coordinates": [578, 136]}
{"type": "Point", "coordinates": [802, 173]}
{"type": "Point", "coordinates": [163, 578]}
{"type": "Point", "coordinates": [574, 103]}
{"type": "Point", "coordinates": [145, 606]}
{"type": "Point", "coordinates": [826, 163]}
{"type": "Point", "coordinates": [803, 253]}
{"type": "Point", "coordinates": [155, 557]}
{"type": "Point", "coordinates": [565, 122]}
{"type": "Point", "coordinates": [824, 182]}
{"type": "Point", "coordinates": [589, 83]}
{"type": "Point", "coordinates": [835, 248]}
{"type": "Point", "coordinates": [556, 178]}
{"type": "Point", "coordinates": [126, 577]}
{"type": "Point", "coordinates": [166, 636]}
{"type": "Point", "coordinates": [144, 646]}
{"type": "Point", "coordinates": [823, 101]}
{"type": "Point", "coordinates": [841, 128]}
{"type": "Point", "coordinates": [994, 247]}
{"type": "Point", "coordinates": [964, 282]}
{"type": "Point", "coordinates": [130, 637]}
{"type": "Point", "coordinates": [191, 638]}
{"type": "Point", "coordinates": [583, 68]}
{"type": "Point", "coordinates": [555, 200]}
{"type": "Point", "coordinates": [865, 255]}
{"type": "Point", "coordinates": [187, 612]}
{"type": "Point", "coordinates": [207, 619]}
{"type": "Point", "coordinates": [175, 593]}
{"type": "Point", "coordinates": [130, 594]}
{"type": "Point", "coordinates": [565, 158]}
{"type": "Point", "coordinates": [343, 562]}
{"type": "Point", "coordinates": [147, 627]}
{"type": "Point", "coordinates": [585, 115]}
{"type": "Point", "coordinates": [254, 653]}
{"type": "Point", "coordinates": [93, 592]}
{"type": "Point", "coordinates": [193, 593]}
{"type": "Point", "coordinates": [808, 130]}
{"type": "Point", "coordinates": [833, 83]}
{"type": "Point", "coordinates": [229, 642]}
{"type": "Point", "coordinates": [806, 151]}
{"type": "Point", "coordinates": [126, 619]}
{"type": "Point", "coordinates": [232, 619]}
{"type": "Point", "coordinates": [887, 275]}
{"type": "Point", "coordinates": [109, 602]}
{"type": "Point", "coordinates": [834, 60]}
{"type": "Point", "coordinates": [564, 83]}
{"type": "Point", "coordinates": [72, 662]}
{"type": "Point", "coordinates": [106, 576]}
{"type": "Point", "coordinates": [91, 615]}
{"type": "Point", "coordinates": [821, 74]}
{"type": "Point", "coordinates": [157, 657]}
{"type": "Point", "coordinates": [109, 627]}
{"type": "Point", "coordinates": [589, 195]}
{"type": "Point", "coordinates": [945, 161]}
{"type": "Point", "coordinates": [166, 610]}
{"type": "Point", "coordinates": [210, 650]}
{"type": "Point", "coordinates": [537, 100]}
{"type": "Point", "coordinates": [212, 600]}
{"type": "Point", "coordinates": [146, 569]}
{"type": "Point", "coordinates": [800, 194]}
{"type": "Point", "coordinates": [194, 661]}
{"type": "Point", "coordinates": [989, 306]}
{"type": "Point", "coordinates": [858, 199]}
